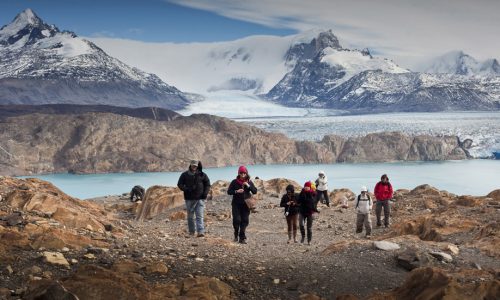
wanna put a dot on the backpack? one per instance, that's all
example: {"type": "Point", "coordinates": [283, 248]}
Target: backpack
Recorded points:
{"type": "Point", "coordinates": [359, 199]}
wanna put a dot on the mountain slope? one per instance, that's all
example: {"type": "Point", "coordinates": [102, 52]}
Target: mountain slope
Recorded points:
{"type": "Point", "coordinates": [41, 64]}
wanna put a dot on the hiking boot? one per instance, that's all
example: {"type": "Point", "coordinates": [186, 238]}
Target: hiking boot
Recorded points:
{"type": "Point", "coordinates": [302, 240]}
{"type": "Point", "coordinates": [243, 241]}
{"type": "Point", "coordinates": [387, 226]}
{"type": "Point", "coordinates": [201, 235]}
{"type": "Point", "coordinates": [368, 236]}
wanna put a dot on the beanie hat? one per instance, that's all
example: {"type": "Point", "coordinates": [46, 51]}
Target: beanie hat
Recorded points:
{"type": "Point", "coordinates": [290, 188]}
{"type": "Point", "coordinates": [364, 189]}
{"type": "Point", "coordinates": [242, 169]}
{"type": "Point", "coordinates": [307, 184]}
{"type": "Point", "coordinates": [321, 173]}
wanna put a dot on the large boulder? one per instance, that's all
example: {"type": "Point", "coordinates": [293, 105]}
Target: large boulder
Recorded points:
{"type": "Point", "coordinates": [42, 198]}
{"type": "Point", "coordinates": [495, 195]}
{"type": "Point", "coordinates": [157, 200]}
{"type": "Point", "coordinates": [93, 282]}
{"type": "Point", "coordinates": [434, 283]}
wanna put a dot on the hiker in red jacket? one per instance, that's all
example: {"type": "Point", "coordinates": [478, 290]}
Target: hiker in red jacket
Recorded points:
{"type": "Point", "coordinates": [383, 193]}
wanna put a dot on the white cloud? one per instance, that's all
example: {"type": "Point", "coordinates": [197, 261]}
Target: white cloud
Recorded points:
{"type": "Point", "coordinates": [405, 30]}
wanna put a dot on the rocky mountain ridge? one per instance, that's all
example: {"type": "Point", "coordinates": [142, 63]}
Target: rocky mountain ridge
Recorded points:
{"type": "Point", "coordinates": [104, 142]}
{"type": "Point", "coordinates": [353, 80]}
{"type": "Point", "coordinates": [43, 65]}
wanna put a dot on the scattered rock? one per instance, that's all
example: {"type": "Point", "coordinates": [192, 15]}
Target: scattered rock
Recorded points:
{"type": "Point", "coordinates": [276, 281]}
{"type": "Point", "coordinates": [50, 290]}
{"type": "Point", "coordinates": [442, 256]}
{"type": "Point", "coordinates": [386, 246]}
{"type": "Point", "coordinates": [452, 248]}
{"type": "Point", "coordinates": [55, 258]}
{"type": "Point", "coordinates": [14, 219]}
{"type": "Point", "coordinates": [157, 268]}
{"type": "Point", "coordinates": [412, 259]}
{"type": "Point", "coordinates": [89, 256]}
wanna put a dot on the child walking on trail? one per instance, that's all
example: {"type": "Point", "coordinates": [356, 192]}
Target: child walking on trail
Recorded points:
{"type": "Point", "coordinates": [290, 202]}
{"type": "Point", "coordinates": [364, 205]}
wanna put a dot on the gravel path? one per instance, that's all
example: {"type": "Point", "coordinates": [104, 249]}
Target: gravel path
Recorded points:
{"type": "Point", "coordinates": [253, 270]}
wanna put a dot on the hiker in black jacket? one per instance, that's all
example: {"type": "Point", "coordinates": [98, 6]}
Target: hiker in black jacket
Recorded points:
{"type": "Point", "coordinates": [137, 192]}
{"type": "Point", "coordinates": [290, 202]}
{"type": "Point", "coordinates": [195, 185]}
{"type": "Point", "coordinates": [241, 188]}
{"type": "Point", "coordinates": [306, 209]}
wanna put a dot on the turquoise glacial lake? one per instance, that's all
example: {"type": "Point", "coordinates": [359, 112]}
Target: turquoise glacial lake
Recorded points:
{"type": "Point", "coordinates": [472, 177]}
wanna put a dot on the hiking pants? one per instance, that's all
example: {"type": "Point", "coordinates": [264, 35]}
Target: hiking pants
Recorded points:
{"type": "Point", "coordinates": [195, 211]}
{"type": "Point", "coordinates": [291, 222]}
{"type": "Point", "coordinates": [363, 219]}
{"type": "Point", "coordinates": [378, 211]}
{"type": "Point", "coordinates": [319, 194]}
{"type": "Point", "coordinates": [309, 222]}
{"type": "Point", "coordinates": [241, 219]}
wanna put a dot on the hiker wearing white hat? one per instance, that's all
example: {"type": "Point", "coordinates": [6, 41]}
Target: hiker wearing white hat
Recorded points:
{"type": "Point", "coordinates": [364, 205]}
{"type": "Point", "coordinates": [322, 189]}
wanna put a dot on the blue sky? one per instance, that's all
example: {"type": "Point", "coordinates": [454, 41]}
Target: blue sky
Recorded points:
{"type": "Point", "coordinates": [146, 20]}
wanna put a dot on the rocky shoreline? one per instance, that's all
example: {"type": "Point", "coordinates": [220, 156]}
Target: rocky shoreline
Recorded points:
{"type": "Point", "coordinates": [115, 141]}
{"type": "Point", "coordinates": [55, 246]}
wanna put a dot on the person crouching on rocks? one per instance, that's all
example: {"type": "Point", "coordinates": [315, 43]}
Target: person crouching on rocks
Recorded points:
{"type": "Point", "coordinates": [383, 193]}
{"type": "Point", "coordinates": [137, 192]}
{"type": "Point", "coordinates": [364, 205]}
{"type": "Point", "coordinates": [290, 202]}
{"type": "Point", "coordinates": [241, 189]}
{"type": "Point", "coordinates": [306, 210]}
{"type": "Point", "coordinates": [322, 189]}
{"type": "Point", "coordinates": [195, 185]}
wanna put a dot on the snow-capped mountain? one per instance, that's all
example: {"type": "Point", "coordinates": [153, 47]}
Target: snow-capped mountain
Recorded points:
{"type": "Point", "coordinates": [378, 91]}
{"type": "Point", "coordinates": [460, 63]}
{"type": "Point", "coordinates": [324, 69]}
{"type": "Point", "coordinates": [310, 69]}
{"type": "Point", "coordinates": [40, 64]}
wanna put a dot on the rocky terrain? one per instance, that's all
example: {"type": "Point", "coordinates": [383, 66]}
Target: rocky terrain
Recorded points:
{"type": "Point", "coordinates": [440, 246]}
{"type": "Point", "coordinates": [110, 140]}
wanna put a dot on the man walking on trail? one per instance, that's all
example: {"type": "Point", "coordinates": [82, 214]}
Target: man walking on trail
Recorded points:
{"type": "Point", "coordinates": [383, 192]}
{"type": "Point", "coordinates": [195, 185]}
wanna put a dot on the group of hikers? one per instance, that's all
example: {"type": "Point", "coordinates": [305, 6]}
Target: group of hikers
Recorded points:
{"type": "Point", "coordinates": [300, 208]}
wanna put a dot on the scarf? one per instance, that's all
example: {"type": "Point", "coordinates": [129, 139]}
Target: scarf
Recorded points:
{"type": "Point", "coordinates": [241, 181]}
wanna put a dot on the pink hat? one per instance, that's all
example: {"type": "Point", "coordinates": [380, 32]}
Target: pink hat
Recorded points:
{"type": "Point", "coordinates": [307, 184]}
{"type": "Point", "coordinates": [242, 169]}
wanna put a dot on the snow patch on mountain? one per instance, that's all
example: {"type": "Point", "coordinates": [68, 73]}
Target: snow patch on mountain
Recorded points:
{"type": "Point", "coordinates": [354, 62]}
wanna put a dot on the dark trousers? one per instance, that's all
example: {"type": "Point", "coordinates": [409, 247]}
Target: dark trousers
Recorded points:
{"type": "Point", "coordinates": [241, 219]}
{"type": "Point", "coordinates": [309, 221]}
{"type": "Point", "coordinates": [378, 211]}
{"type": "Point", "coordinates": [291, 222]}
{"type": "Point", "coordinates": [319, 194]}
